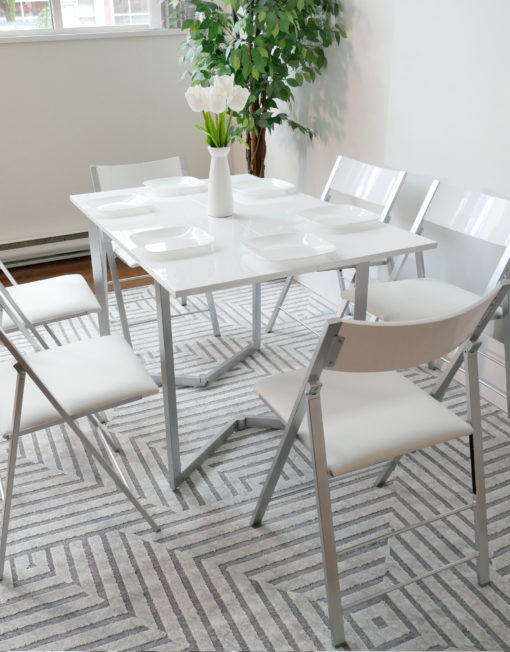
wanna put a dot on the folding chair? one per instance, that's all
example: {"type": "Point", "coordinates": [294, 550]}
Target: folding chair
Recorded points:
{"type": "Point", "coordinates": [360, 183]}
{"type": "Point", "coordinates": [115, 177]}
{"type": "Point", "coordinates": [360, 411]}
{"type": "Point", "coordinates": [48, 300]}
{"type": "Point", "coordinates": [476, 215]}
{"type": "Point", "coordinates": [59, 385]}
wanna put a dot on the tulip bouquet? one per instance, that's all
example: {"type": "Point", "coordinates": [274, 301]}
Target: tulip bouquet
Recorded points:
{"type": "Point", "coordinates": [223, 98]}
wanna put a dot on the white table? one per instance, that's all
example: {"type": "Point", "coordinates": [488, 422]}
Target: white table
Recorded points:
{"type": "Point", "coordinates": [229, 265]}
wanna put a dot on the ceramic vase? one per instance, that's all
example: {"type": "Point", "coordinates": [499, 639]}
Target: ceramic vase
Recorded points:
{"type": "Point", "coordinates": [220, 200]}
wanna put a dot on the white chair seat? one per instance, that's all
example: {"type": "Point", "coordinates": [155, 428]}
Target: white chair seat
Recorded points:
{"type": "Point", "coordinates": [368, 417]}
{"type": "Point", "coordinates": [52, 299]}
{"type": "Point", "coordinates": [414, 299]}
{"type": "Point", "coordinates": [85, 377]}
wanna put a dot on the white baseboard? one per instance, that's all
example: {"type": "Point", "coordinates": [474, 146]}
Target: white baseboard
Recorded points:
{"type": "Point", "coordinates": [43, 250]}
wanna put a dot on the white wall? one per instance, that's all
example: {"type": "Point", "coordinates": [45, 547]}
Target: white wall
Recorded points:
{"type": "Point", "coordinates": [69, 104]}
{"type": "Point", "coordinates": [417, 86]}
{"type": "Point", "coordinates": [420, 86]}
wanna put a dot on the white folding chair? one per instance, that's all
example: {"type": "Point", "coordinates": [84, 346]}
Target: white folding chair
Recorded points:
{"type": "Point", "coordinates": [48, 300]}
{"type": "Point", "coordinates": [116, 177]}
{"type": "Point", "coordinates": [363, 184]}
{"type": "Point", "coordinates": [360, 411]}
{"type": "Point", "coordinates": [59, 385]}
{"type": "Point", "coordinates": [476, 215]}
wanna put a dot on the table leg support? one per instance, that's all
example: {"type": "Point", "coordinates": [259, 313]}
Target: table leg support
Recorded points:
{"type": "Point", "coordinates": [256, 315]}
{"type": "Point", "coordinates": [168, 385]}
{"type": "Point", "coordinates": [361, 291]}
{"type": "Point", "coordinates": [99, 274]}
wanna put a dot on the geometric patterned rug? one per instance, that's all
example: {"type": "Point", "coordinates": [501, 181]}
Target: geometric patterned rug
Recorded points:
{"type": "Point", "coordinates": [85, 572]}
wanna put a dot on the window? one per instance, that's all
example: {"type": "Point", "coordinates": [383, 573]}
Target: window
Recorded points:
{"type": "Point", "coordinates": [24, 17]}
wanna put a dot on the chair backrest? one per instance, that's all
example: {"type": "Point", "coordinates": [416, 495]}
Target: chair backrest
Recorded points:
{"type": "Point", "coordinates": [115, 177]}
{"type": "Point", "coordinates": [369, 183]}
{"type": "Point", "coordinates": [473, 214]}
{"type": "Point", "coordinates": [385, 346]}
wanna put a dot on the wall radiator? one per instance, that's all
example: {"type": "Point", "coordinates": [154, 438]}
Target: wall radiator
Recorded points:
{"type": "Point", "coordinates": [43, 250]}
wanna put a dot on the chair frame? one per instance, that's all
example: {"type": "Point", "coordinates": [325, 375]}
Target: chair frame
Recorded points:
{"type": "Point", "coordinates": [21, 315]}
{"type": "Point", "coordinates": [501, 272]}
{"type": "Point", "coordinates": [112, 256]}
{"type": "Point", "coordinates": [325, 196]}
{"type": "Point", "coordinates": [308, 401]}
{"type": "Point", "coordinates": [23, 370]}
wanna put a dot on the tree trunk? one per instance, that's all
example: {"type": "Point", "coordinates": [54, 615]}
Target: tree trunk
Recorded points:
{"type": "Point", "coordinates": [9, 10]}
{"type": "Point", "coordinates": [256, 152]}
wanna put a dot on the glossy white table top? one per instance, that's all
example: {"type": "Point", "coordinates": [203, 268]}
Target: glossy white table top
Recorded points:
{"type": "Point", "coordinates": [230, 263]}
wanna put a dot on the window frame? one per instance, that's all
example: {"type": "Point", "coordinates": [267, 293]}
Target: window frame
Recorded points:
{"type": "Point", "coordinates": [157, 26]}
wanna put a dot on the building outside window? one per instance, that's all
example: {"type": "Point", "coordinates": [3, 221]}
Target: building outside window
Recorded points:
{"type": "Point", "coordinates": [21, 15]}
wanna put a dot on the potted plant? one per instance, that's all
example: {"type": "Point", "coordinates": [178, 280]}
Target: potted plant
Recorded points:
{"type": "Point", "coordinates": [270, 46]}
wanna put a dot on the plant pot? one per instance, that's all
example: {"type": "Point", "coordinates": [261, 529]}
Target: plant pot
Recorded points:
{"type": "Point", "coordinates": [220, 199]}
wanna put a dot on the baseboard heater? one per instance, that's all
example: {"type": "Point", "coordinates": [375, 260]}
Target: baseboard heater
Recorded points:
{"type": "Point", "coordinates": [44, 250]}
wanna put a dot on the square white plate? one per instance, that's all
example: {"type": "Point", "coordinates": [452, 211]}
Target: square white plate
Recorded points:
{"type": "Point", "coordinates": [251, 187]}
{"type": "Point", "coordinates": [173, 186]}
{"type": "Point", "coordinates": [174, 241]}
{"type": "Point", "coordinates": [332, 217]}
{"type": "Point", "coordinates": [122, 205]}
{"type": "Point", "coordinates": [289, 246]}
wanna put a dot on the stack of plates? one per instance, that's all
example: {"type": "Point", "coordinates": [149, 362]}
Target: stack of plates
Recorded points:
{"type": "Point", "coordinates": [174, 241]}
{"type": "Point", "coordinates": [333, 217]}
{"type": "Point", "coordinates": [173, 186]}
{"type": "Point", "coordinates": [122, 205]}
{"type": "Point", "coordinates": [250, 187]}
{"type": "Point", "coordinates": [289, 246]}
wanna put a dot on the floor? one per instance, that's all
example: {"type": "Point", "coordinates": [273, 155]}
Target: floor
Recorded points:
{"type": "Point", "coordinates": [85, 573]}
{"type": "Point", "coordinates": [81, 265]}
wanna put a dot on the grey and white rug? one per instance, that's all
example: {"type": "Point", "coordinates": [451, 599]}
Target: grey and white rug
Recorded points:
{"type": "Point", "coordinates": [84, 572]}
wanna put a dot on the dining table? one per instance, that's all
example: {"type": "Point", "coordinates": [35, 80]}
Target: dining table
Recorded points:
{"type": "Point", "coordinates": [275, 232]}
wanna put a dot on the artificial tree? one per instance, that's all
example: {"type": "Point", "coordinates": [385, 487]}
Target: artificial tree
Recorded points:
{"type": "Point", "coordinates": [271, 46]}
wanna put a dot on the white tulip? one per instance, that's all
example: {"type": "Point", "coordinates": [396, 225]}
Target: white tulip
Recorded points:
{"type": "Point", "coordinates": [238, 98]}
{"type": "Point", "coordinates": [223, 84]}
{"type": "Point", "coordinates": [216, 100]}
{"type": "Point", "coordinates": [196, 98]}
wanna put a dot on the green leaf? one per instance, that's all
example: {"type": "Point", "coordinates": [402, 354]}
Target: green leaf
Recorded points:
{"type": "Point", "coordinates": [284, 24]}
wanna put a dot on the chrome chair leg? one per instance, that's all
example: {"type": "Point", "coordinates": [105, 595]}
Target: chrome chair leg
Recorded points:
{"type": "Point", "coordinates": [505, 304]}
{"type": "Point", "coordinates": [476, 441]}
{"type": "Point", "coordinates": [13, 449]}
{"type": "Point", "coordinates": [327, 532]}
{"type": "Point", "coordinates": [7, 500]}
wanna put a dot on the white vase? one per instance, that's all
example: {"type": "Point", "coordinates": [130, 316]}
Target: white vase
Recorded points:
{"type": "Point", "coordinates": [220, 200]}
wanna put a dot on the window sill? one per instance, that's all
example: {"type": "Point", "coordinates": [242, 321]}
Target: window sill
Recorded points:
{"type": "Point", "coordinates": [104, 33]}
